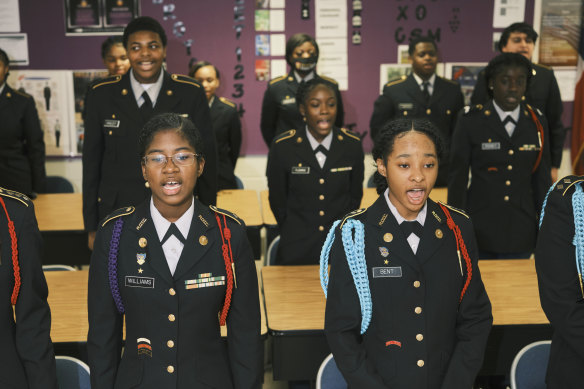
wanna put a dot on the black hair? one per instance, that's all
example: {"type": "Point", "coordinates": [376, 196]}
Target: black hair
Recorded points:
{"type": "Point", "coordinates": [517, 27]}
{"type": "Point", "coordinates": [4, 58]}
{"type": "Point", "coordinates": [170, 121]}
{"type": "Point", "coordinates": [384, 141]}
{"type": "Point", "coordinates": [109, 43]}
{"type": "Point", "coordinates": [497, 64]}
{"type": "Point", "coordinates": [144, 23]}
{"type": "Point", "coordinates": [201, 64]}
{"type": "Point", "coordinates": [420, 39]}
{"type": "Point", "coordinates": [296, 40]}
{"type": "Point", "coordinates": [307, 87]}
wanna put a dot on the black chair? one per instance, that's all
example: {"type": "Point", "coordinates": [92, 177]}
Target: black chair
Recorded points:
{"type": "Point", "coordinates": [272, 251]}
{"type": "Point", "coordinates": [72, 373]}
{"type": "Point", "coordinates": [329, 376]}
{"type": "Point", "coordinates": [238, 183]}
{"type": "Point", "coordinates": [58, 268]}
{"type": "Point", "coordinates": [530, 365]}
{"type": "Point", "coordinates": [58, 184]}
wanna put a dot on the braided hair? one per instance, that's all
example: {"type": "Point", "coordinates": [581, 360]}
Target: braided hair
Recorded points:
{"type": "Point", "coordinates": [385, 139]}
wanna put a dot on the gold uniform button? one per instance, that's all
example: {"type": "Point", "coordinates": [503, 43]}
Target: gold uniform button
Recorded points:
{"type": "Point", "coordinates": [320, 228]}
{"type": "Point", "coordinates": [416, 284]}
{"type": "Point", "coordinates": [321, 213]}
{"type": "Point", "coordinates": [511, 152]}
{"type": "Point", "coordinates": [170, 369]}
{"type": "Point", "coordinates": [170, 344]}
{"type": "Point", "coordinates": [418, 310]}
{"type": "Point", "coordinates": [508, 183]}
{"type": "Point", "coordinates": [428, 111]}
{"type": "Point", "coordinates": [171, 292]}
{"type": "Point", "coordinates": [421, 363]}
{"type": "Point", "coordinates": [110, 132]}
{"type": "Point", "coordinates": [510, 167]}
{"type": "Point", "coordinates": [171, 317]}
{"type": "Point", "coordinates": [506, 198]}
{"type": "Point", "coordinates": [321, 197]}
{"type": "Point", "coordinates": [321, 181]}
{"type": "Point", "coordinates": [419, 337]}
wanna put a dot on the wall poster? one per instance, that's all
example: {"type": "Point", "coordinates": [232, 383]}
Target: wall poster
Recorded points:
{"type": "Point", "coordinates": [99, 17]}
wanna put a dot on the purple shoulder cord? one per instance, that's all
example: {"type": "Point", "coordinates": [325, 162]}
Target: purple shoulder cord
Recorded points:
{"type": "Point", "coordinates": [112, 264]}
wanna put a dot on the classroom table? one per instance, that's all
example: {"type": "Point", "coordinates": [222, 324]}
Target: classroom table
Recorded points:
{"type": "Point", "coordinates": [68, 302]}
{"type": "Point", "coordinates": [295, 306]}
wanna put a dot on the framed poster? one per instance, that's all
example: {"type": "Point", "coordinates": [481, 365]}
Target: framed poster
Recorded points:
{"type": "Point", "coordinates": [466, 74]}
{"type": "Point", "coordinates": [559, 32]}
{"type": "Point", "coordinates": [99, 17]}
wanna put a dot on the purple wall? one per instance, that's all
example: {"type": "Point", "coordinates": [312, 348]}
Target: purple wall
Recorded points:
{"type": "Point", "coordinates": [211, 26]}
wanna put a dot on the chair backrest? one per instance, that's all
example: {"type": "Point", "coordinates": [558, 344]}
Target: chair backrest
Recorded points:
{"type": "Point", "coordinates": [329, 376]}
{"type": "Point", "coordinates": [72, 373]}
{"type": "Point", "coordinates": [58, 268]}
{"type": "Point", "coordinates": [58, 184]}
{"type": "Point", "coordinates": [238, 183]}
{"type": "Point", "coordinates": [371, 182]}
{"type": "Point", "coordinates": [272, 251]}
{"type": "Point", "coordinates": [530, 365]}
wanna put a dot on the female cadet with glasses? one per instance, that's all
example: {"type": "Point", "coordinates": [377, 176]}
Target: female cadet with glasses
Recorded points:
{"type": "Point", "coordinates": [176, 270]}
{"type": "Point", "coordinates": [406, 307]}
{"type": "Point", "coordinates": [315, 175]}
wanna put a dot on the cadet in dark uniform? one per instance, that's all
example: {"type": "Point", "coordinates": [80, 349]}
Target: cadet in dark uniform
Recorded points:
{"type": "Point", "coordinates": [503, 143]}
{"type": "Point", "coordinates": [22, 148]}
{"type": "Point", "coordinates": [118, 107]}
{"type": "Point", "coordinates": [226, 124]}
{"type": "Point", "coordinates": [27, 359]}
{"type": "Point", "coordinates": [176, 270]}
{"type": "Point", "coordinates": [422, 94]}
{"type": "Point", "coordinates": [315, 175]}
{"type": "Point", "coordinates": [114, 56]}
{"type": "Point", "coordinates": [543, 91]}
{"type": "Point", "coordinates": [279, 107]}
{"type": "Point", "coordinates": [422, 317]}
{"type": "Point", "coordinates": [560, 267]}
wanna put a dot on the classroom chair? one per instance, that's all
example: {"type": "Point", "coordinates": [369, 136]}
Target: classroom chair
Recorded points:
{"type": "Point", "coordinates": [530, 365]}
{"type": "Point", "coordinates": [272, 251]}
{"type": "Point", "coordinates": [238, 183]}
{"type": "Point", "coordinates": [329, 376]}
{"type": "Point", "coordinates": [72, 373]}
{"type": "Point", "coordinates": [58, 268]}
{"type": "Point", "coordinates": [58, 184]}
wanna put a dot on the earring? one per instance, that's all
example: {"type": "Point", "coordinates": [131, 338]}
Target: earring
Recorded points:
{"type": "Point", "coordinates": [147, 184]}
{"type": "Point", "coordinates": [304, 118]}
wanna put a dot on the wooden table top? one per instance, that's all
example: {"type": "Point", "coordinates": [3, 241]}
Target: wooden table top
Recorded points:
{"type": "Point", "coordinates": [59, 211]}
{"type": "Point", "coordinates": [68, 302]}
{"type": "Point", "coordinates": [244, 203]}
{"type": "Point", "coordinates": [267, 214]}
{"type": "Point", "coordinates": [370, 195]}
{"type": "Point", "coordinates": [295, 301]}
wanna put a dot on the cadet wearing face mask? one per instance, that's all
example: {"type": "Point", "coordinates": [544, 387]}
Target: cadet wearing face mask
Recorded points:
{"type": "Point", "coordinates": [279, 109]}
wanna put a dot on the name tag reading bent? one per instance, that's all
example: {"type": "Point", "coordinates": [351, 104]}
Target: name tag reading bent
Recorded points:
{"type": "Point", "coordinates": [140, 282]}
{"type": "Point", "coordinates": [491, 146]}
{"type": "Point", "coordinates": [383, 272]}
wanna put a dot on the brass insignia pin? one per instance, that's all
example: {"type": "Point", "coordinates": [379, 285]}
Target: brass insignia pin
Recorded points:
{"type": "Point", "coordinates": [169, 92]}
{"type": "Point", "coordinates": [487, 112]}
{"type": "Point", "coordinates": [203, 240]}
{"type": "Point", "coordinates": [141, 224]}
{"type": "Point", "coordinates": [8, 94]}
{"type": "Point", "coordinates": [124, 92]}
{"type": "Point", "coordinates": [142, 242]}
{"type": "Point", "coordinates": [140, 271]}
{"type": "Point", "coordinates": [141, 258]}
{"type": "Point", "coordinates": [436, 216]}
{"type": "Point", "coordinates": [383, 219]}
{"type": "Point", "coordinates": [299, 140]}
{"type": "Point", "coordinates": [439, 233]}
{"type": "Point", "coordinates": [386, 262]}
{"type": "Point", "coordinates": [388, 237]}
{"type": "Point", "coordinates": [383, 251]}
{"type": "Point", "coordinates": [428, 111]}
{"type": "Point", "coordinates": [340, 137]}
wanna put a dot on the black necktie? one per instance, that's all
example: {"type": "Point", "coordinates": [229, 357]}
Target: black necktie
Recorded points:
{"type": "Point", "coordinates": [409, 227]}
{"type": "Point", "coordinates": [426, 91]}
{"type": "Point", "coordinates": [321, 148]}
{"type": "Point", "coordinates": [509, 119]}
{"type": "Point", "coordinates": [146, 107]}
{"type": "Point", "coordinates": [173, 230]}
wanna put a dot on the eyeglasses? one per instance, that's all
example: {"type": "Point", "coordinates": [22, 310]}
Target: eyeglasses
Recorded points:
{"type": "Point", "coordinates": [179, 159]}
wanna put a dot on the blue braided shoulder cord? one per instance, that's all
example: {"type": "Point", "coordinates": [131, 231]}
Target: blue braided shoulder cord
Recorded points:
{"type": "Point", "coordinates": [112, 264]}
{"type": "Point", "coordinates": [578, 241]}
{"type": "Point", "coordinates": [355, 253]}
{"type": "Point", "coordinates": [324, 257]}
{"type": "Point", "coordinates": [545, 201]}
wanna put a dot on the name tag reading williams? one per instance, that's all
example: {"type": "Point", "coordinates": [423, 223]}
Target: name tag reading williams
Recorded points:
{"type": "Point", "coordinates": [382, 272]}
{"type": "Point", "coordinates": [140, 282]}
{"type": "Point", "coordinates": [491, 146]}
{"type": "Point", "coordinates": [109, 123]}
{"type": "Point", "coordinates": [300, 169]}
{"type": "Point", "coordinates": [405, 106]}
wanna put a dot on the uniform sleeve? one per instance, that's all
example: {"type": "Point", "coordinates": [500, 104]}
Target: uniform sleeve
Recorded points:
{"type": "Point", "coordinates": [557, 275]}
{"type": "Point", "coordinates": [269, 118]}
{"type": "Point", "coordinates": [473, 324]}
{"type": "Point", "coordinates": [479, 94]}
{"type": "Point", "coordinates": [383, 111]}
{"type": "Point", "coordinates": [342, 324]}
{"type": "Point", "coordinates": [35, 145]}
{"type": "Point", "coordinates": [104, 340]}
{"type": "Point", "coordinates": [541, 177]}
{"type": "Point", "coordinates": [277, 185]}
{"type": "Point", "coordinates": [206, 187]}
{"type": "Point", "coordinates": [357, 175]}
{"type": "Point", "coordinates": [459, 164]}
{"type": "Point", "coordinates": [33, 316]}
{"type": "Point", "coordinates": [458, 106]}
{"type": "Point", "coordinates": [234, 138]}
{"type": "Point", "coordinates": [553, 114]}
{"type": "Point", "coordinates": [340, 119]}
{"type": "Point", "coordinates": [246, 350]}
{"type": "Point", "coordinates": [93, 151]}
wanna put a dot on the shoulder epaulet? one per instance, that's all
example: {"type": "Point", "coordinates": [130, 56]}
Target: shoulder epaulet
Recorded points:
{"type": "Point", "coordinates": [449, 80]}
{"type": "Point", "coordinates": [22, 93]}
{"type": "Point", "coordinates": [277, 79]}
{"type": "Point", "coordinates": [350, 134]}
{"type": "Point", "coordinates": [539, 65]}
{"type": "Point", "coordinates": [118, 213]}
{"type": "Point", "coordinates": [24, 199]}
{"type": "Point", "coordinates": [185, 79]}
{"type": "Point", "coordinates": [106, 81]}
{"type": "Point", "coordinates": [397, 81]}
{"type": "Point", "coordinates": [230, 215]}
{"type": "Point", "coordinates": [455, 209]}
{"type": "Point", "coordinates": [227, 102]}
{"type": "Point", "coordinates": [352, 214]}
{"type": "Point", "coordinates": [473, 108]}
{"type": "Point", "coordinates": [534, 110]}
{"type": "Point", "coordinates": [285, 135]}
{"type": "Point", "coordinates": [567, 182]}
{"type": "Point", "coordinates": [331, 80]}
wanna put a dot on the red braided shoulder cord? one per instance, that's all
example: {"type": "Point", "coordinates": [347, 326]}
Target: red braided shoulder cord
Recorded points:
{"type": "Point", "coordinates": [14, 246]}
{"type": "Point", "coordinates": [460, 247]}
{"type": "Point", "coordinates": [540, 136]}
{"type": "Point", "coordinates": [229, 266]}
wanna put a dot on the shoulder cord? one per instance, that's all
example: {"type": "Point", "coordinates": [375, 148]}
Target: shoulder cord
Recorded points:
{"type": "Point", "coordinates": [229, 266]}
{"type": "Point", "coordinates": [112, 264]}
{"type": "Point", "coordinates": [355, 253]}
{"type": "Point", "coordinates": [460, 247]}
{"type": "Point", "coordinates": [324, 257]}
{"type": "Point", "coordinates": [545, 201]}
{"type": "Point", "coordinates": [14, 247]}
{"type": "Point", "coordinates": [578, 205]}
{"type": "Point", "coordinates": [540, 137]}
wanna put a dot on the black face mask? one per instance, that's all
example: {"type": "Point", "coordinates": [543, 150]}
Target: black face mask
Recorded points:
{"type": "Point", "coordinates": [305, 64]}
